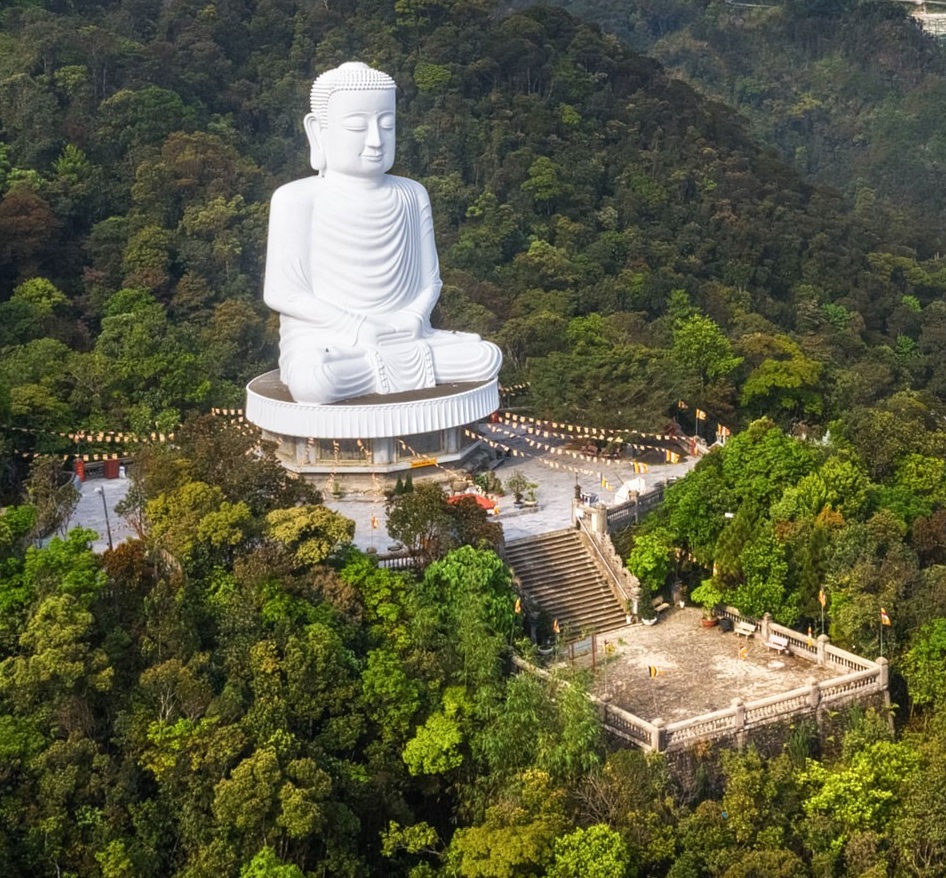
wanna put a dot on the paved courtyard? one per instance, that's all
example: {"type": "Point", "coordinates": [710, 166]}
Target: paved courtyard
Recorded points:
{"type": "Point", "coordinates": [554, 494]}
{"type": "Point", "coordinates": [701, 668]}
{"type": "Point", "coordinates": [90, 513]}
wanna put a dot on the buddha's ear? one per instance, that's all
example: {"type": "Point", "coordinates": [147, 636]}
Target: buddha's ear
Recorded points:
{"type": "Point", "coordinates": [313, 131]}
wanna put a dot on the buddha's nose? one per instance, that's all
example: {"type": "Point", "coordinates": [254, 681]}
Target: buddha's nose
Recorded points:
{"type": "Point", "coordinates": [373, 140]}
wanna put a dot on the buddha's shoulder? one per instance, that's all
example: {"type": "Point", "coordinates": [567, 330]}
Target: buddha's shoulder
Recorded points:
{"type": "Point", "coordinates": [296, 193]}
{"type": "Point", "coordinates": [407, 183]}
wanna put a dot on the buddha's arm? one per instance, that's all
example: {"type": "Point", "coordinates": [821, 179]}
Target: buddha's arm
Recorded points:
{"type": "Point", "coordinates": [287, 288]}
{"type": "Point", "coordinates": [414, 318]}
{"type": "Point", "coordinates": [430, 264]}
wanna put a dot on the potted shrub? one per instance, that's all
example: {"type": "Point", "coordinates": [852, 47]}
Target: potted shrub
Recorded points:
{"type": "Point", "coordinates": [709, 594]}
{"type": "Point", "coordinates": [645, 604]}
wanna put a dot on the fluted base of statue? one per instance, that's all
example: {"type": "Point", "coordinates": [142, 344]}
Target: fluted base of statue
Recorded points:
{"type": "Point", "coordinates": [376, 433]}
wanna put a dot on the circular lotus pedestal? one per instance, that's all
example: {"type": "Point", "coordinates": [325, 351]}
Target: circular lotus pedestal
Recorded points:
{"type": "Point", "coordinates": [379, 433]}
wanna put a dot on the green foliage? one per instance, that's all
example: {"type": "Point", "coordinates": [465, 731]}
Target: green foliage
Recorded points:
{"type": "Point", "coordinates": [434, 749]}
{"type": "Point", "coordinates": [924, 664]}
{"type": "Point", "coordinates": [517, 835]}
{"type": "Point", "coordinates": [862, 795]}
{"type": "Point", "coordinates": [310, 533]}
{"type": "Point", "coordinates": [267, 865]}
{"type": "Point", "coordinates": [650, 558]}
{"type": "Point", "coordinates": [596, 852]}
{"type": "Point", "coordinates": [702, 355]}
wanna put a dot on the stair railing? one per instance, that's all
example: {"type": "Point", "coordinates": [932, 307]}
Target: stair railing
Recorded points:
{"type": "Point", "coordinates": [624, 585]}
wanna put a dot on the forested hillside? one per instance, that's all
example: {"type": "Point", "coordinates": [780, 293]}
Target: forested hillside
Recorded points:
{"type": "Point", "coordinates": [238, 693]}
{"type": "Point", "coordinates": [623, 239]}
{"type": "Point", "coordinates": [850, 92]}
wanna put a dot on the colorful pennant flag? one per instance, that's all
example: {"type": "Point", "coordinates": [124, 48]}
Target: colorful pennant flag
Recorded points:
{"type": "Point", "coordinates": [700, 415]}
{"type": "Point", "coordinates": [884, 618]}
{"type": "Point", "coordinates": [655, 672]}
{"type": "Point", "coordinates": [518, 607]}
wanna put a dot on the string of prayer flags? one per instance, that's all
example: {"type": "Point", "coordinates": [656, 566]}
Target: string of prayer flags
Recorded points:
{"type": "Point", "coordinates": [599, 432]}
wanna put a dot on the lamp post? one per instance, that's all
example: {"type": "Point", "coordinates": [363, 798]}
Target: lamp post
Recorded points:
{"type": "Point", "coordinates": [108, 527]}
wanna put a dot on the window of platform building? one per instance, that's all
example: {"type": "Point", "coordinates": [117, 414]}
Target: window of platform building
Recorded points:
{"type": "Point", "coordinates": [344, 450]}
{"type": "Point", "coordinates": [420, 445]}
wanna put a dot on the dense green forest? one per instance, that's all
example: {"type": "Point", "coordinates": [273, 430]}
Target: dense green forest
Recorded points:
{"type": "Point", "coordinates": [238, 692]}
{"type": "Point", "coordinates": [849, 92]}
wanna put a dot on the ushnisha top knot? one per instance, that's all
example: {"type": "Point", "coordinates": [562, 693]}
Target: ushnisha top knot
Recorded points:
{"type": "Point", "coordinates": [350, 76]}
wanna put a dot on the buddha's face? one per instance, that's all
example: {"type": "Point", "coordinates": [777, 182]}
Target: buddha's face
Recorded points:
{"type": "Point", "coordinates": [358, 140]}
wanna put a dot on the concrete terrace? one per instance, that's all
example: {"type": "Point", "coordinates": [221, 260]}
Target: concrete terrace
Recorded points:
{"type": "Point", "coordinates": [702, 668]}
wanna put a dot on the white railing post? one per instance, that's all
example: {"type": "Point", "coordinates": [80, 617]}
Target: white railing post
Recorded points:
{"type": "Point", "coordinates": [739, 721]}
{"type": "Point", "coordinates": [814, 693]}
{"type": "Point", "coordinates": [884, 676]}
{"type": "Point", "coordinates": [657, 735]}
{"type": "Point", "coordinates": [823, 641]}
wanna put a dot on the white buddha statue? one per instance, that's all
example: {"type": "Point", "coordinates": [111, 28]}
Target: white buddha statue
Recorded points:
{"type": "Point", "coordinates": [351, 265]}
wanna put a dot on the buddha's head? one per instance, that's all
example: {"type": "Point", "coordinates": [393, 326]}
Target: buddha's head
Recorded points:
{"type": "Point", "coordinates": [351, 126]}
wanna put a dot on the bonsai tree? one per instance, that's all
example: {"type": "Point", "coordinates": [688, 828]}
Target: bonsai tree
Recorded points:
{"type": "Point", "coordinates": [517, 484]}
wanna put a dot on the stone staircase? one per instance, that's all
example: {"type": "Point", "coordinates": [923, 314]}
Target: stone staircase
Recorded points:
{"type": "Point", "coordinates": [560, 578]}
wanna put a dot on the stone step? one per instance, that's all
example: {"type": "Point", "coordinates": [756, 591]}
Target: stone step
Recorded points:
{"type": "Point", "coordinates": [560, 578]}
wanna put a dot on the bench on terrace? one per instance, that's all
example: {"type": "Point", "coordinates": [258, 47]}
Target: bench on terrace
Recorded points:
{"type": "Point", "coordinates": [778, 643]}
{"type": "Point", "coordinates": [660, 605]}
{"type": "Point", "coordinates": [746, 629]}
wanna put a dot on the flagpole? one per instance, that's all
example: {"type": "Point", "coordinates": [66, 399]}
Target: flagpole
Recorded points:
{"type": "Point", "coordinates": [605, 670]}
{"type": "Point", "coordinates": [881, 634]}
